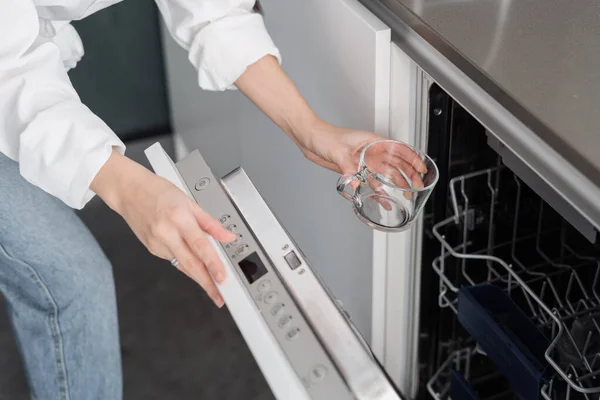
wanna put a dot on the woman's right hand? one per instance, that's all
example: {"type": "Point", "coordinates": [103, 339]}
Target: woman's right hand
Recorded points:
{"type": "Point", "coordinates": [165, 219]}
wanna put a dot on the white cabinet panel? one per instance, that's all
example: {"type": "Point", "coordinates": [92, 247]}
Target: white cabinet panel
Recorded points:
{"type": "Point", "coordinates": [338, 54]}
{"type": "Point", "coordinates": [208, 121]}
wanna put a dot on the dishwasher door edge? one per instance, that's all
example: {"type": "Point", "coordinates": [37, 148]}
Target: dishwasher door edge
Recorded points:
{"type": "Point", "coordinates": [281, 377]}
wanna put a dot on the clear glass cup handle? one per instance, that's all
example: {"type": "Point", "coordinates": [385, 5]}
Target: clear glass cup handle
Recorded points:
{"type": "Point", "coordinates": [345, 187]}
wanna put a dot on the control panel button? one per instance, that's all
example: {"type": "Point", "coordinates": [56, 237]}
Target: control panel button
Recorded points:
{"type": "Point", "coordinates": [225, 219]}
{"type": "Point", "coordinates": [265, 285]}
{"type": "Point", "coordinates": [238, 239]}
{"type": "Point", "coordinates": [271, 297]}
{"type": "Point", "coordinates": [292, 259]}
{"type": "Point", "coordinates": [232, 228]}
{"type": "Point", "coordinates": [277, 309]}
{"type": "Point", "coordinates": [317, 374]}
{"type": "Point", "coordinates": [202, 184]}
{"type": "Point", "coordinates": [285, 321]}
{"type": "Point", "coordinates": [292, 333]}
{"type": "Point", "coordinates": [242, 249]}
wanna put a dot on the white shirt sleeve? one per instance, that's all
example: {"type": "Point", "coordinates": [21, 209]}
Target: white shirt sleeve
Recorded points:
{"type": "Point", "coordinates": [222, 37]}
{"type": "Point", "coordinates": [59, 143]}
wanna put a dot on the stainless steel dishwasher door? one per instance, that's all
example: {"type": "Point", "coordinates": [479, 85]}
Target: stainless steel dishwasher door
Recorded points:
{"type": "Point", "coordinates": [303, 342]}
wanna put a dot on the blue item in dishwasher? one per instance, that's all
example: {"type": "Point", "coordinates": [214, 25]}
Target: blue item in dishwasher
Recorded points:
{"type": "Point", "coordinates": [507, 335]}
{"type": "Point", "coordinates": [460, 389]}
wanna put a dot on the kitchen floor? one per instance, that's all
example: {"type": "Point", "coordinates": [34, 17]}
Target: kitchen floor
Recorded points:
{"type": "Point", "coordinates": [175, 343]}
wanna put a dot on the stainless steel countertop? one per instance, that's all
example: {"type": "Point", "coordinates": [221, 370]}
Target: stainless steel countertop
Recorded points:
{"type": "Point", "coordinates": [537, 60]}
{"type": "Point", "coordinates": [543, 53]}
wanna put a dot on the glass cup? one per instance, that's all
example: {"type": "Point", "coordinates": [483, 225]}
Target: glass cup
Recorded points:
{"type": "Point", "coordinates": [393, 182]}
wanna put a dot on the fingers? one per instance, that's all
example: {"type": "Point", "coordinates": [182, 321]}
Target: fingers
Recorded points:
{"type": "Point", "coordinates": [408, 155]}
{"type": "Point", "coordinates": [395, 153]}
{"type": "Point", "coordinates": [418, 163]}
{"type": "Point", "coordinates": [211, 226]}
{"type": "Point", "coordinates": [184, 236]}
{"type": "Point", "coordinates": [383, 201]}
{"type": "Point", "coordinates": [393, 175]}
{"type": "Point", "coordinates": [408, 173]}
{"type": "Point", "coordinates": [399, 172]}
{"type": "Point", "coordinates": [172, 225]}
{"type": "Point", "coordinates": [198, 242]}
{"type": "Point", "coordinates": [193, 267]}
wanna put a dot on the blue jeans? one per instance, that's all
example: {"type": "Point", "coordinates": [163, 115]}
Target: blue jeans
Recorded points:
{"type": "Point", "coordinates": [60, 294]}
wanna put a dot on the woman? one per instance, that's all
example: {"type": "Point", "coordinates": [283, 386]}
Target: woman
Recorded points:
{"type": "Point", "coordinates": [56, 155]}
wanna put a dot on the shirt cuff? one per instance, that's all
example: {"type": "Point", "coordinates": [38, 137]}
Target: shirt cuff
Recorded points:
{"type": "Point", "coordinates": [224, 49]}
{"type": "Point", "coordinates": [81, 193]}
{"type": "Point", "coordinates": [62, 151]}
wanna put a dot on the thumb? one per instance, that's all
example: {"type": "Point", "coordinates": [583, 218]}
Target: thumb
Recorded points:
{"type": "Point", "coordinates": [348, 168]}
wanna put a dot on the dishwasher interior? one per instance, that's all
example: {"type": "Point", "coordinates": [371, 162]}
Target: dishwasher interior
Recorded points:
{"type": "Point", "coordinates": [510, 303]}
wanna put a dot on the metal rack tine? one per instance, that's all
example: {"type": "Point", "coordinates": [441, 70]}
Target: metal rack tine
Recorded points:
{"type": "Point", "coordinates": [595, 283]}
{"type": "Point", "coordinates": [465, 231]}
{"type": "Point", "coordinates": [595, 322]}
{"type": "Point", "coordinates": [587, 344]}
{"type": "Point", "coordinates": [516, 229]}
{"type": "Point", "coordinates": [595, 360]}
{"type": "Point", "coordinates": [556, 295]}
{"type": "Point", "coordinates": [544, 255]}
{"type": "Point", "coordinates": [547, 389]}
{"type": "Point", "coordinates": [491, 232]}
{"type": "Point", "coordinates": [579, 353]}
{"type": "Point", "coordinates": [534, 313]}
{"type": "Point", "coordinates": [568, 293]}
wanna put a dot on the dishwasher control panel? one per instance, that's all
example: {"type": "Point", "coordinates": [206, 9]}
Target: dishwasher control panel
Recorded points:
{"type": "Point", "coordinates": [288, 326]}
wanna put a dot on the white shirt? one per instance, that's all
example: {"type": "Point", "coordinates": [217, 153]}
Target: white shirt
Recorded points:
{"type": "Point", "coordinates": [59, 143]}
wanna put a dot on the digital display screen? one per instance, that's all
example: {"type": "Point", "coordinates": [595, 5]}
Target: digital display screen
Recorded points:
{"type": "Point", "coordinates": [252, 267]}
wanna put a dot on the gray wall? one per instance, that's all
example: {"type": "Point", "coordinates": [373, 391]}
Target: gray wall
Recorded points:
{"type": "Point", "coordinates": [121, 76]}
{"type": "Point", "coordinates": [229, 131]}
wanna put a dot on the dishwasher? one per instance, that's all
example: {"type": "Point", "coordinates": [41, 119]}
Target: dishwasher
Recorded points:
{"type": "Point", "coordinates": [510, 301]}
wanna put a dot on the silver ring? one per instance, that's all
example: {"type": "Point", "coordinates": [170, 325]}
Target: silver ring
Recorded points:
{"type": "Point", "coordinates": [174, 262]}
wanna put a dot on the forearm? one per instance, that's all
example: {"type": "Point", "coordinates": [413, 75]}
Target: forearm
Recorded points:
{"type": "Point", "coordinates": [272, 91]}
{"type": "Point", "coordinates": [118, 176]}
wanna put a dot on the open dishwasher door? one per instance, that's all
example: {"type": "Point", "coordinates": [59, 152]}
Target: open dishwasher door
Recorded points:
{"type": "Point", "coordinates": [302, 340]}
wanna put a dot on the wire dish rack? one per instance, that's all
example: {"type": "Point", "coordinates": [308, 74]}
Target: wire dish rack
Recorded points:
{"type": "Point", "coordinates": [501, 234]}
{"type": "Point", "coordinates": [469, 363]}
